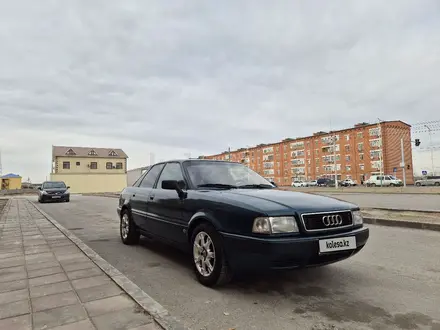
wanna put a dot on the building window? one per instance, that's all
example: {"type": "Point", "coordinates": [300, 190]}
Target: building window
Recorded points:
{"type": "Point", "coordinates": [348, 168]}
{"type": "Point", "coordinates": [361, 156]}
{"type": "Point", "coordinates": [375, 132]}
{"type": "Point", "coordinates": [119, 166]}
{"type": "Point", "coordinates": [360, 135]}
{"type": "Point", "coordinates": [347, 148]}
{"type": "Point", "coordinates": [361, 147]}
{"type": "Point", "coordinates": [347, 158]}
{"type": "Point", "coordinates": [94, 165]}
{"type": "Point", "coordinates": [78, 163]}
{"type": "Point", "coordinates": [362, 167]}
{"type": "Point", "coordinates": [92, 153]}
{"type": "Point", "coordinates": [347, 137]}
{"type": "Point", "coordinates": [109, 165]}
{"type": "Point", "coordinates": [66, 165]}
{"type": "Point", "coordinates": [375, 143]}
{"type": "Point", "coordinates": [113, 153]}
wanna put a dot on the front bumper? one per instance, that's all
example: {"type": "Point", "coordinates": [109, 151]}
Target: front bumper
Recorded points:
{"type": "Point", "coordinates": [54, 198]}
{"type": "Point", "coordinates": [250, 253]}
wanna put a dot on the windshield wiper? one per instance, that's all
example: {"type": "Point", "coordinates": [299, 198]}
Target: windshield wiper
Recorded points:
{"type": "Point", "coordinates": [216, 185]}
{"type": "Point", "coordinates": [250, 186]}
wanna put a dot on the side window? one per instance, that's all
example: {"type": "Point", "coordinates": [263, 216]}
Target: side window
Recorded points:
{"type": "Point", "coordinates": [150, 178]}
{"type": "Point", "coordinates": [172, 171]}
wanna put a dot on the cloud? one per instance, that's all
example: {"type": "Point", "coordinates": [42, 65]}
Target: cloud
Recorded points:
{"type": "Point", "coordinates": [180, 77]}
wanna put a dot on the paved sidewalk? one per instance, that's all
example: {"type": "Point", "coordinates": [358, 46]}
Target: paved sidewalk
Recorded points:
{"type": "Point", "coordinates": [46, 282]}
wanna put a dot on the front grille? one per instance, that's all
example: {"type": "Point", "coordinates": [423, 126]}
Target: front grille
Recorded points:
{"type": "Point", "coordinates": [54, 192]}
{"type": "Point", "coordinates": [314, 221]}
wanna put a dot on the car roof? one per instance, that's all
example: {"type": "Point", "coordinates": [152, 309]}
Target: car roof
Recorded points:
{"type": "Point", "coordinates": [53, 182]}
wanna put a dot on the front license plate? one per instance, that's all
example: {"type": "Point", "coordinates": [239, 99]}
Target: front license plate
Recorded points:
{"type": "Point", "coordinates": [337, 244]}
{"type": "Point", "coordinates": [56, 196]}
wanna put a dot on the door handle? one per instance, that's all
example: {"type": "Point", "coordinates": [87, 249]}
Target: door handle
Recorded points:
{"type": "Point", "coordinates": [134, 195]}
{"type": "Point", "coordinates": [151, 197]}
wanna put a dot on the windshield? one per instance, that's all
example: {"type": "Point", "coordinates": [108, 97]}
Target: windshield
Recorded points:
{"type": "Point", "coordinates": [53, 185]}
{"type": "Point", "coordinates": [231, 174]}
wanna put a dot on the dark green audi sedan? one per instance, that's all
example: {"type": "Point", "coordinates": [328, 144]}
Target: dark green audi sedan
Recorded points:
{"type": "Point", "coordinates": [233, 220]}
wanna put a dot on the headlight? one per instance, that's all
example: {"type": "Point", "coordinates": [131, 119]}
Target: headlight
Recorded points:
{"type": "Point", "coordinates": [275, 225]}
{"type": "Point", "coordinates": [44, 192]}
{"type": "Point", "coordinates": [357, 218]}
{"type": "Point", "coordinates": [67, 192]}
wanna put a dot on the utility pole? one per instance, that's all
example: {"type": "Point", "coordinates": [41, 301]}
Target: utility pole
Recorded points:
{"type": "Point", "coordinates": [403, 162]}
{"type": "Point", "coordinates": [432, 149]}
{"type": "Point", "coordinates": [229, 153]}
{"type": "Point", "coordinates": [1, 168]}
{"type": "Point", "coordinates": [334, 161]}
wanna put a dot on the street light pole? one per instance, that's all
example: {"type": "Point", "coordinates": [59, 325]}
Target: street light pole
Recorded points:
{"type": "Point", "coordinates": [432, 149]}
{"type": "Point", "coordinates": [403, 162]}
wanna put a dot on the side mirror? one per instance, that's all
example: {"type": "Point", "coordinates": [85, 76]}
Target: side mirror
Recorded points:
{"type": "Point", "coordinates": [169, 184]}
{"type": "Point", "coordinates": [39, 188]}
{"type": "Point", "coordinates": [175, 185]}
{"type": "Point", "coordinates": [274, 183]}
{"type": "Point", "coordinates": [68, 187]}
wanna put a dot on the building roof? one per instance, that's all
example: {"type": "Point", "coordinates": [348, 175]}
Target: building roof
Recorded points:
{"type": "Point", "coordinates": [10, 176]}
{"type": "Point", "coordinates": [91, 152]}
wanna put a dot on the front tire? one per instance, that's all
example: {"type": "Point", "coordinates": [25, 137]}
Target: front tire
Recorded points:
{"type": "Point", "coordinates": [127, 229]}
{"type": "Point", "coordinates": [209, 259]}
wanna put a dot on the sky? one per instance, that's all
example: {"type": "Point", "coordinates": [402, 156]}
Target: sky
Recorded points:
{"type": "Point", "coordinates": [193, 77]}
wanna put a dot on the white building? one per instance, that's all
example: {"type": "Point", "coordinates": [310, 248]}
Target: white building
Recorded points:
{"type": "Point", "coordinates": [134, 174]}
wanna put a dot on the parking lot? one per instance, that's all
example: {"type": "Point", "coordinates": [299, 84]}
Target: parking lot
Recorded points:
{"type": "Point", "coordinates": [394, 283]}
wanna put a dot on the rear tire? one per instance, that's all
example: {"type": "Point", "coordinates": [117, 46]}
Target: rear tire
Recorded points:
{"type": "Point", "coordinates": [437, 184]}
{"type": "Point", "coordinates": [418, 184]}
{"type": "Point", "coordinates": [127, 229]}
{"type": "Point", "coordinates": [221, 273]}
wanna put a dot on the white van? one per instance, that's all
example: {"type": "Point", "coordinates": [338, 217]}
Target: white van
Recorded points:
{"type": "Point", "coordinates": [384, 181]}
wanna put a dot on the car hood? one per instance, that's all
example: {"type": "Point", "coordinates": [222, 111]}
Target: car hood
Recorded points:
{"type": "Point", "coordinates": [282, 201]}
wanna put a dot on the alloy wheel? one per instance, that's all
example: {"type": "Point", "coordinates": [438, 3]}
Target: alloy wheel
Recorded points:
{"type": "Point", "coordinates": [125, 226]}
{"type": "Point", "coordinates": [204, 254]}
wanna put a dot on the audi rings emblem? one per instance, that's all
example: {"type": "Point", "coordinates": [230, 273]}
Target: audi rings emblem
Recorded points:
{"type": "Point", "coordinates": [332, 220]}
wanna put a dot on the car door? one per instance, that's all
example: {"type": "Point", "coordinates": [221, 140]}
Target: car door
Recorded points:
{"type": "Point", "coordinates": [165, 207]}
{"type": "Point", "coordinates": [140, 197]}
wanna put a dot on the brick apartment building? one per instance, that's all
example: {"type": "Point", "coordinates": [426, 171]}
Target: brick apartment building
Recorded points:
{"type": "Point", "coordinates": [361, 151]}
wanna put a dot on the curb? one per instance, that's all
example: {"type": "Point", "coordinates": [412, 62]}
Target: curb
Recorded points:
{"type": "Point", "coordinates": [363, 192]}
{"type": "Point", "coordinates": [403, 224]}
{"type": "Point", "coordinates": [400, 210]}
{"type": "Point", "coordinates": [160, 315]}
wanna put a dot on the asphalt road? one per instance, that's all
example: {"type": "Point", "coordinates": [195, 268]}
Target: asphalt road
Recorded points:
{"type": "Point", "coordinates": [418, 202]}
{"type": "Point", "coordinates": [394, 283]}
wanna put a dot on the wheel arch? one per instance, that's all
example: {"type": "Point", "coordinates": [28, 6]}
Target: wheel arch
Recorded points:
{"type": "Point", "coordinates": [124, 208]}
{"type": "Point", "coordinates": [201, 217]}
